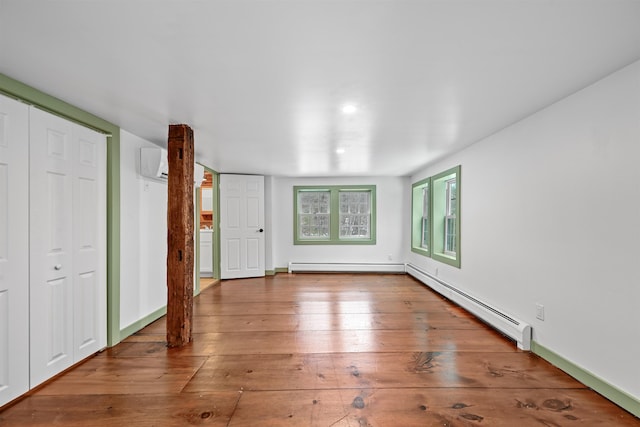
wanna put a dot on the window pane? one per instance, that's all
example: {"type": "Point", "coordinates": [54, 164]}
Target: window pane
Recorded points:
{"type": "Point", "coordinates": [355, 212]}
{"type": "Point", "coordinates": [450, 235]}
{"type": "Point", "coordinates": [313, 214]}
{"type": "Point", "coordinates": [425, 233]}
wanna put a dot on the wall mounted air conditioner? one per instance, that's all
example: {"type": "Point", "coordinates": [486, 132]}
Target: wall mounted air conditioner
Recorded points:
{"type": "Point", "coordinates": [198, 175]}
{"type": "Point", "coordinates": [154, 163]}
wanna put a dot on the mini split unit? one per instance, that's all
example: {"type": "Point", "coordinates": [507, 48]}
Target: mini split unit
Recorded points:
{"type": "Point", "coordinates": [154, 163]}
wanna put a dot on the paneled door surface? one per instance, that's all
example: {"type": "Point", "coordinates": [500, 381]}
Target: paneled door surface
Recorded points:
{"type": "Point", "coordinates": [14, 249]}
{"type": "Point", "coordinates": [242, 243]}
{"type": "Point", "coordinates": [66, 244]}
{"type": "Point", "coordinates": [89, 242]}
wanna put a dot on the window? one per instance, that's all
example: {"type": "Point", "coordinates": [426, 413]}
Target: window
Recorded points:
{"type": "Point", "coordinates": [450, 218]}
{"type": "Point", "coordinates": [436, 217]}
{"type": "Point", "coordinates": [421, 224]}
{"type": "Point", "coordinates": [355, 214]}
{"type": "Point", "coordinates": [334, 215]}
{"type": "Point", "coordinates": [314, 210]}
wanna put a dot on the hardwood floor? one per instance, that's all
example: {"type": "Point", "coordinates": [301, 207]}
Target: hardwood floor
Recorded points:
{"type": "Point", "coordinates": [318, 350]}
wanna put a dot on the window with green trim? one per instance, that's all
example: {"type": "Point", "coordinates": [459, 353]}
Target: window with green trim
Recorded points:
{"type": "Point", "coordinates": [436, 217]}
{"type": "Point", "coordinates": [421, 217]}
{"type": "Point", "coordinates": [334, 215]}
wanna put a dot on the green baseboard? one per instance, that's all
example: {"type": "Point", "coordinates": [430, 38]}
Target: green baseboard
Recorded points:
{"type": "Point", "coordinates": [276, 271]}
{"type": "Point", "coordinates": [138, 325]}
{"type": "Point", "coordinates": [617, 396]}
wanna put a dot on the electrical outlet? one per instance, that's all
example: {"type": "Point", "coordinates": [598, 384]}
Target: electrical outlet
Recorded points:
{"type": "Point", "coordinates": [539, 311]}
{"type": "Point", "coordinates": [390, 257]}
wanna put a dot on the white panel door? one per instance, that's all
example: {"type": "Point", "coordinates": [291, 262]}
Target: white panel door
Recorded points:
{"type": "Point", "coordinates": [51, 245]}
{"type": "Point", "coordinates": [14, 249]}
{"type": "Point", "coordinates": [241, 226]}
{"type": "Point", "coordinates": [89, 241]}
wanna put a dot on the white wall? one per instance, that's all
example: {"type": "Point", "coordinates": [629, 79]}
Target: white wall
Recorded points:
{"type": "Point", "coordinates": [268, 223]}
{"type": "Point", "coordinates": [143, 248]}
{"type": "Point", "coordinates": [551, 215]}
{"type": "Point", "coordinates": [392, 203]}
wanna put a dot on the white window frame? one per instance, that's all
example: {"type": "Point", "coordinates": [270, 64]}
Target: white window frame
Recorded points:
{"type": "Point", "coordinates": [450, 217]}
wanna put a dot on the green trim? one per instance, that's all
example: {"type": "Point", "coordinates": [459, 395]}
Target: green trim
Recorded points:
{"type": "Point", "coordinates": [196, 227]}
{"type": "Point", "coordinates": [113, 239]}
{"type": "Point", "coordinates": [216, 226]}
{"type": "Point", "coordinates": [617, 396]}
{"type": "Point", "coordinates": [275, 271]}
{"type": "Point", "coordinates": [30, 95]}
{"type": "Point", "coordinates": [416, 217]}
{"type": "Point", "coordinates": [438, 208]}
{"type": "Point", "coordinates": [145, 321]}
{"type": "Point", "coordinates": [334, 212]}
{"type": "Point", "coordinates": [216, 223]}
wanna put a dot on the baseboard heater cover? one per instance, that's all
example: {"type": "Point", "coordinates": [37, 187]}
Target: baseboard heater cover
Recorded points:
{"type": "Point", "coordinates": [345, 267]}
{"type": "Point", "coordinates": [505, 323]}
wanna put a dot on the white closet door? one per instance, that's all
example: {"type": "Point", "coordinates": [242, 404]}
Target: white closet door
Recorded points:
{"type": "Point", "coordinates": [14, 249]}
{"type": "Point", "coordinates": [67, 244]}
{"type": "Point", "coordinates": [89, 241]}
{"type": "Point", "coordinates": [51, 245]}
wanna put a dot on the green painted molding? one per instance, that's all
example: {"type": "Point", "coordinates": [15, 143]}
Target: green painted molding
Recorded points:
{"type": "Point", "coordinates": [276, 270]}
{"type": "Point", "coordinates": [334, 214]}
{"type": "Point", "coordinates": [438, 208]}
{"type": "Point", "coordinates": [30, 95]}
{"type": "Point", "coordinates": [216, 224]}
{"type": "Point", "coordinates": [145, 321]}
{"type": "Point", "coordinates": [196, 237]}
{"type": "Point", "coordinates": [35, 97]}
{"type": "Point", "coordinates": [617, 396]}
{"type": "Point", "coordinates": [416, 217]}
{"type": "Point", "coordinates": [113, 238]}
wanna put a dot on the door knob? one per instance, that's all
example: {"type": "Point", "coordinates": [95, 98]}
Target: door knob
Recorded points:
{"type": "Point", "coordinates": [261, 230]}
{"type": "Point", "coordinates": [57, 267]}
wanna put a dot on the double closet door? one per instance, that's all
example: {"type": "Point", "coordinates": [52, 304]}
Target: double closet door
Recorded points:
{"type": "Point", "coordinates": [52, 246]}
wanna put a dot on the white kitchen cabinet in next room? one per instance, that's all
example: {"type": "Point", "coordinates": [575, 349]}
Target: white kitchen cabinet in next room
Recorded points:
{"type": "Point", "coordinates": [206, 253]}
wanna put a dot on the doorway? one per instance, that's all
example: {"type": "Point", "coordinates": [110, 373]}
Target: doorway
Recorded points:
{"type": "Point", "coordinates": [207, 235]}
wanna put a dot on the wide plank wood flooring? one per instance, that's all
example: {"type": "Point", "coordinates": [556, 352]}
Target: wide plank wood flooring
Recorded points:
{"type": "Point", "coordinates": [318, 350]}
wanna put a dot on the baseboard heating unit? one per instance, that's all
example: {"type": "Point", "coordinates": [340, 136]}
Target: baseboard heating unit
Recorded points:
{"type": "Point", "coordinates": [345, 267]}
{"type": "Point", "coordinates": [508, 325]}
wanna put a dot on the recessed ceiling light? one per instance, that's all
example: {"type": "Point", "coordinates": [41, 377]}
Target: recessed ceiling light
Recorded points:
{"type": "Point", "coordinates": [349, 109]}
{"type": "Point", "coordinates": [340, 150]}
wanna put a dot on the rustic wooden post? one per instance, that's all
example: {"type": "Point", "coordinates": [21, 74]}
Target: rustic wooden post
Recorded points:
{"type": "Point", "coordinates": [180, 251]}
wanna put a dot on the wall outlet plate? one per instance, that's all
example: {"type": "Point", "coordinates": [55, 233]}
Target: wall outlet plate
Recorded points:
{"type": "Point", "coordinates": [539, 311]}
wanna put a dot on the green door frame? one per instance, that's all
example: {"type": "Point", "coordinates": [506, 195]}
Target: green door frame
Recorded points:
{"type": "Point", "coordinates": [216, 234]}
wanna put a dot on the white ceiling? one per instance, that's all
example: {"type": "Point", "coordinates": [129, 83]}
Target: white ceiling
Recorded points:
{"type": "Point", "coordinates": [262, 82]}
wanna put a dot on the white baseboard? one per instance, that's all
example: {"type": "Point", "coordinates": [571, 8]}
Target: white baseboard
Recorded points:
{"type": "Point", "coordinates": [505, 323]}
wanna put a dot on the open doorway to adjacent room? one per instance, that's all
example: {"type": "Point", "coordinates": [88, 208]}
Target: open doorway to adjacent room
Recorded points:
{"type": "Point", "coordinates": [207, 236]}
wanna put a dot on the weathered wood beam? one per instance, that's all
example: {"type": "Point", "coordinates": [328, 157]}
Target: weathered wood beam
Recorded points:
{"type": "Point", "coordinates": [180, 251]}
